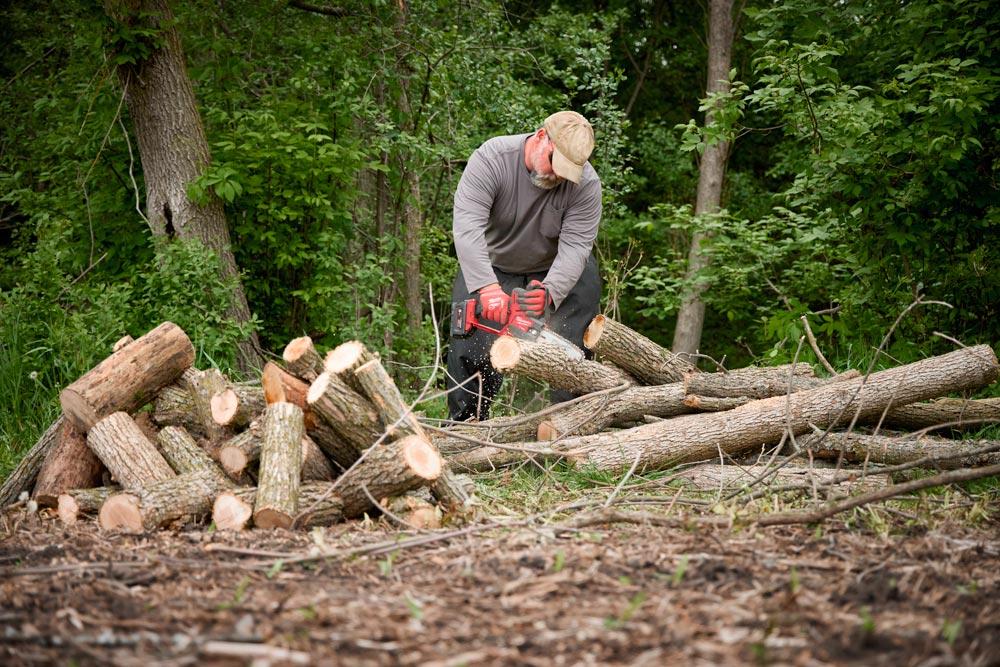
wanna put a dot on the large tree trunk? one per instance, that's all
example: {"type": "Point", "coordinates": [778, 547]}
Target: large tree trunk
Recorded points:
{"type": "Point", "coordinates": [712, 170]}
{"type": "Point", "coordinates": [174, 150]}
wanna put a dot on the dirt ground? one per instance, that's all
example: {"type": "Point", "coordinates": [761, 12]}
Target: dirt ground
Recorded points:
{"type": "Point", "coordinates": [604, 595]}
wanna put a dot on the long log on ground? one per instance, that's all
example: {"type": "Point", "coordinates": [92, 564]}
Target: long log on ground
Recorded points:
{"type": "Point", "coordinates": [488, 459]}
{"type": "Point", "coordinates": [344, 359]}
{"type": "Point", "coordinates": [349, 413]}
{"type": "Point", "coordinates": [233, 509]}
{"type": "Point", "coordinates": [516, 428]}
{"type": "Point", "coordinates": [184, 455]}
{"type": "Point", "coordinates": [547, 362]}
{"type": "Point", "coordinates": [593, 414]}
{"type": "Point", "coordinates": [754, 382]}
{"type": "Point", "coordinates": [22, 477]}
{"type": "Point", "coordinates": [701, 437]}
{"type": "Point", "coordinates": [715, 477]}
{"type": "Point", "coordinates": [72, 503]}
{"type": "Point", "coordinates": [131, 458]}
{"type": "Point", "coordinates": [280, 466]}
{"type": "Point", "coordinates": [302, 360]}
{"type": "Point", "coordinates": [957, 413]}
{"type": "Point", "coordinates": [70, 465]}
{"type": "Point", "coordinates": [187, 496]}
{"type": "Point", "coordinates": [894, 450]}
{"type": "Point", "coordinates": [396, 414]}
{"type": "Point", "coordinates": [130, 377]}
{"type": "Point", "coordinates": [237, 405]}
{"type": "Point", "coordinates": [389, 469]}
{"type": "Point", "coordinates": [649, 362]}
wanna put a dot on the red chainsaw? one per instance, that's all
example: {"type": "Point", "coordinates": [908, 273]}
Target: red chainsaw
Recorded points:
{"type": "Point", "coordinates": [468, 315]}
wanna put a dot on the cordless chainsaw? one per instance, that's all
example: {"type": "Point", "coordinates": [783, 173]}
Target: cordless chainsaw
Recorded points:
{"type": "Point", "coordinates": [468, 315]}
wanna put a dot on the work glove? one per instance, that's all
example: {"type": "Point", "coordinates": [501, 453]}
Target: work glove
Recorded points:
{"type": "Point", "coordinates": [535, 299]}
{"type": "Point", "coordinates": [495, 304]}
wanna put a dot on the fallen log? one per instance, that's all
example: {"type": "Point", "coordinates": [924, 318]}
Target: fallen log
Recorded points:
{"type": "Point", "coordinates": [397, 416]}
{"type": "Point", "coordinates": [237, 405]}
{"type": "Point", "coordinates": [175, 406]}
{"type": "Point", "coordinates": [72, 503]}
{"type": "Point", "coordinates": [23, 476]}
{"type": "Point", "coordinates": [701, 437]}
{"type": "Point", "coordinates": [547, 362]}
{"type": "Point", "coordinates": [233, 509]}
{"type": "Point", "coordinates": [187, 496]}
{"type": "Point", "coordinates": [957, 413]}
{"type": "Point", "coordinates": [754, 381]}
{"type": "Point", "coordinates": [280, 466]}
{"type": "Point", "coordinates": [346, 411]}
{"type": "Point", "coordinates": [302, 360]}
{"type": "Point", "coordinates": [715, 477]}
{"type": "Point", "coordinates": [895, 450]}
{"type": "Point", "coordinates": [593, 414]}
{"type": "Point", "coordinates": [244, 449]}
{"type": "Point", "coordinates": [131, 458]}
{"type": "Point", "coordinates": [184, 455]}
{"type": "Point", "coordinates": [129, 378]}
{"type": "Point", "coordinates": [518, 428]}
{"type": "Point", "coordinates": [69, 465]}
{"type": "Point", "coordinates": [645, 360]}
{"type": "Point", "coordinates": [713, 404]}
{"type": "Point", "coordinates": [344, 359]}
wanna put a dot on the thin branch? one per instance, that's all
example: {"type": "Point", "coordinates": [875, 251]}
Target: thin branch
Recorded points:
{"type": "Point", "coordinates": [815, 346]}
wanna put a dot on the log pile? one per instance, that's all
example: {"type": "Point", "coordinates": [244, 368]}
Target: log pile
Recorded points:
{"type": "Point", "coordinates": [146, 441]}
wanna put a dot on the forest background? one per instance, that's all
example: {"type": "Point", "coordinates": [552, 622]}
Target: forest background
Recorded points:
{"type": "Point", "coordinates": [862, 175]}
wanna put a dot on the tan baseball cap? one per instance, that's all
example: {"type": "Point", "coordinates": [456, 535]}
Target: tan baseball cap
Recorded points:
{"type": "Point", "coordinates": [573, 138]}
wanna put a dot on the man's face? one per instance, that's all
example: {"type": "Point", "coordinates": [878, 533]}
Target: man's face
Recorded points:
{"type": "Point", "coordinates": [542, 175]}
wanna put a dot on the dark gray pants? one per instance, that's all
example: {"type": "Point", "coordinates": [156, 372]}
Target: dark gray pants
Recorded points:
{"type": "Point", "coordinates": [472, 381]}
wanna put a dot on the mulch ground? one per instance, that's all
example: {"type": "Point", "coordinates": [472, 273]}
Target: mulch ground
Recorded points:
{"type": "Point", "coordinates": [622, 594]}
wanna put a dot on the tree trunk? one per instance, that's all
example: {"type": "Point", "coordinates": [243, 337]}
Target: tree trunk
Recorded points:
{"type": "Point", "coordinates": [302, 360]}
{"type": "Point", "coordinates": [131, 458]}
{"type": "Point", "coordinates": [70, 465]}
{"type": "Point", "coordinates": [184, 455]}
{"type": "Point", "coordinates": [74, 502]}
{"type": "Point", "coordinates": [715, 477]}
{"type": "Point", "coordinates": [957, 413]}
{"type": "Point", "coordinates": [346, 411]}
{"type": "Point", "coordinates": [187, 496]}
{"type": "Point", "coordinates": [280, 466]}
{"type": "Point", "coordinates": [547, 362]}
{"type": "Point", "coordinates": [174, 150]}
{"type": "Point", "coordinates": [711, 172]}
{"type": "Point", "coordinates": [894, 450]}
{"type": "Point", "coordinates": [636, 354]}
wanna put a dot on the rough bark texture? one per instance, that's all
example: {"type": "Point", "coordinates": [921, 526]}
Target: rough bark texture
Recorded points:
{"type": "Point", "coordinates": [315, 466]}
{"type": "Point", "coordinates": [715, 477]}
{"type": "Point", "coordinates": [131, 458]}
{"type": "Point", "coordinates": [711, 173]}
{"type": "Point", "coordinates": [958, 413]}
{"type": "Point", "coordinates": [593, 414]}
{"type": "Point", "coordinates": [175, 406]}
{"type": "Point", "coordinates": [204, 386]}
{"type": "Point", "coordinates": [498, 429]}
{"type": "Point", "coordinates": [70, 465]}
{"type": "Point", "coordinates": [237, 405]}
{"type": "Point", "coordinates": [242, 449]}
{"type": "Point", "coordinates": [894, 450]}
{"type": "Point", "coordinates": [488, 459]}
{"type": "Point", "coordinates": [22, 478]}
{"type": "Point", "coordinates": [349, 413]}
{"type": "Point", "coordinates": [320, 506]}
{"type": "Point", "coordinates": [184, 455]}
{"type": "Point", "coordinates": [345, 358]}
{"type": "Point", "coordinates": [280, 466]}
{"type": "Point", "coordinates": [645, 360]}
{"type": "Point", "coordinates": [550, 363]}
{"type": "Point", "coordinates": [390, 469]}
{"type": "Point", "coordinates": [713, 404]}
{"type": "Point", "coordinates": [398, 417]}
{"type": "Point", "coordinates": [302, 360]}
{"type": "Point", "coordinates": [754, 382]}
{"type": "Point", "coordinates": [702, 437]}
{"type": "Point", "coordinates": [188, 496]}
{"type": "Point", "coordinates": [74, 502]}
{"type": "Point", "coordinates": [174, 150]}
{"type": "Point", "coordinates": [130, 377]}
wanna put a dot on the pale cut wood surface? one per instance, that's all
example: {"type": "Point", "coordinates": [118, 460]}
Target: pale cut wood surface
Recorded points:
{"type": "Point", "coordinates": [546, 362]}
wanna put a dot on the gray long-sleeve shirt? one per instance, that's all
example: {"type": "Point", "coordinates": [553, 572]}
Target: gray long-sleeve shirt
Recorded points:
{"type": "Point", "coordinates": [502, 219]}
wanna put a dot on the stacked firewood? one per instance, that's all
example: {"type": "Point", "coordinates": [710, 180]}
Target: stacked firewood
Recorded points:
{"type": "Point", "coordinates": [146, 440]}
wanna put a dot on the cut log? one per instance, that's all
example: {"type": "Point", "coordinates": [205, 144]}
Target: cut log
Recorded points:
{"type": "Point", "coordinates": [175, 406]}
{"type": "Point", "coordinates": [187, 496]}
{"type": "Point", "coordinates": [131, 458]}
{"type": "Point", "coordinates": [241, 450]}
{"type": "Point", "coordinates": [754, 382]}
{"type": "Point", "coordinates": [23, 477]}
{"type": "Point", "coordinates": [185, 456]}
{"type": "Point", "coordinates": [702, 436]}
{"type": "Point", "coordinates": [206, 385]}
{"type": "Point", "coordinates": [389, 469]}
{"type": "Point", "coordinates": [713, 404]}
{"type": "Point", "coordinates": [895, 450]}
{"type": "Point", "coordinates": [344, 359]}
{"type": "Point", "coordinates": [302, 360]}
{"type": "Point", "coordinates": [349, 413]}
{"type": "Point", "coordinates": [130, 377]}
{"type": "Point", "coordinates": [958, 413]}
{"type": "Point", "coordinates": [413, 512]}
{"type": "Point", "coordinates": [593, 414]}
{"type": "Point", "coordinates": [550, 363]}
{"type": "Point", "coordinates": [715, 477]}
{"type": "Point", "coordinates": [233, 509]}
{"type": "Point", "coordinates": [237, 405]}
{"type": "Point", "coordinates": [518, 428]}
{"type": "Point", "coordinates": [397, 416]}
{"type": "Point", "coordinates": [74, 502]}
{"type": "Point", "coordinates": [70, 465]}
{"type": "Point", "coordinates": [315, 466]}
{"type": "Point", "coordinates": [649, 362]}
{"type": "Point", "coordinates": [280, 466]}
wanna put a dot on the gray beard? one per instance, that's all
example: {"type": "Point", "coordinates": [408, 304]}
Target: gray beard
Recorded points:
{"type": "Point", "coordinates": [544, 182]}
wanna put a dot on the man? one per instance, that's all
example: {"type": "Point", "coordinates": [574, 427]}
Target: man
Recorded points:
{"type": "Point", "coordinates": [527, 209]}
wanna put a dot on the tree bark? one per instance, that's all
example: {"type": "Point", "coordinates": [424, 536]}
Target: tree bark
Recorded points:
{"type": "Point", "coordinates": [715, 477]}
{"type": "Point", "coordinates": [895, 450]}
{"type": "Point", "coordinates": [74, 502]}
{"type": "Point", "coordinates": [280, 466]}
{"type": "Point", "coordinates": [70, 465]}
{"type": "Point", "coordinates": [23, 477]}
{"type": "Point", "coordinates": [344, 359]}
{"type": "Point", "coordinates": [187, 496]}
{"type": "Point", "coordinates": [131, 458]}
{"type": "Point", "coordinates": [346, 411]}
{"type": "Point", "coordinates": [184, 455]}
{"type": "Point", "coordinates": [645, 360]}
{"type": "Point", "coordinates": [174, 151]}
{"type": "Point", "coordinates": [550, 363]}
{"type": "Point", "coordinates": [130, 377]}
{"type": "Point", "coordinates": [754, 382]}
{"type": "Point", "coordinates": [701, 437]}
{"type": "Point", "coordinates": [237, 405]}
{"type": "Point", "coordinates": [233, 509]}
{"type": "Point", "coordinates": [958, 413]}
{"type": "Point", "coordinates": [711, 173]}
{"type": "Point", "coordinates": [302, 360]}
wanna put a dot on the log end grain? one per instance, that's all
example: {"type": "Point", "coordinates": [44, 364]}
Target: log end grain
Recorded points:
{"type": "Point", "coordinates": [344, 356]}
{"type": "Point", "coordinates": [318, 388]}
{"type": "Point", "coordinates": [224, 406]}
{"type": "Point", "coordinates": [547, 431]}
{"type": "Point", "coordinates": [121, 512]}
{"type": "Point", "coordinates": [229, 512]}
{"type": "Point", "coordinates": [422, 457]}
{"type": "Point", "coordinates": [505, 353]}
{"type": "Point", "coordinates": [67, 509]}
{"type": "Point", "coordinates": [273, 384]}
{"type": "Point", "coordinates": [296, 348]}
{"type": "Point", "coordinates": [593, 333]}
{"type": "Point", "coordinates": [271, 518]}
{"type": "Point", "coordinates": [233, 459]}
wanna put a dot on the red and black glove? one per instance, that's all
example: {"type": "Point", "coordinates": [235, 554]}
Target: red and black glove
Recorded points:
{"type": "Point", "coordinates": [495, 304]}
{"type": "Point", "coordinates": [535, 299]}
